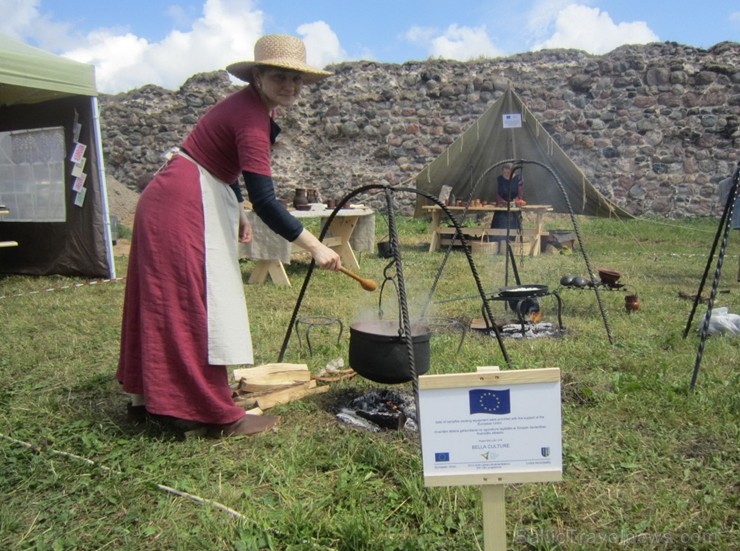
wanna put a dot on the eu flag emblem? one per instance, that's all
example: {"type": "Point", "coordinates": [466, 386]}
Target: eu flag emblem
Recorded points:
{"type": "Point", "coordinates": [496, 402]}
{"type": "Point", "coordinates": [442, 456]}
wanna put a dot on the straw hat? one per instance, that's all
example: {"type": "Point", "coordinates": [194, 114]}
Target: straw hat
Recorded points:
{"type": "Point", "coordinates": [278, 50]}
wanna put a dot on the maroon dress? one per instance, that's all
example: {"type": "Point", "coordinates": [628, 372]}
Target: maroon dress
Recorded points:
{"type": "Point", "coordinates": [165, 330]}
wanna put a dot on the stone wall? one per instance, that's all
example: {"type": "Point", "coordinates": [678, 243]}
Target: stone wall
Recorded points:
{"type": "Point", "coordinates": [654, 127]}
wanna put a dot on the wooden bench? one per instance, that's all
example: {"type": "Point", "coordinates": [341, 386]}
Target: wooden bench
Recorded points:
{"type": "Point", "coordinates": [528, 240]}
{"type": "Point", "coordinates": [524, 242]}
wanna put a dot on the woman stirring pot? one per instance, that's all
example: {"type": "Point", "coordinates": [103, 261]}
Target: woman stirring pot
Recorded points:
{"type": "Point", "coordinates": [184, 315]}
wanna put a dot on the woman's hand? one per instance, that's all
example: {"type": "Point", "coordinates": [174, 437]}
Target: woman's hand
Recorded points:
{"type": "Point", "coordinates": [245, 228]}
{"type": "Point", "coordinates": [323, 256]}
{"type": "Point", "coordinates": [326, 257]}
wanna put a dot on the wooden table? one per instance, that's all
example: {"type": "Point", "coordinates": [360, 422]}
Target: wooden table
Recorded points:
{"type": "Point", "coordinates": [351, 230]}
{"type": "Point", "coordinates": [533, 234]}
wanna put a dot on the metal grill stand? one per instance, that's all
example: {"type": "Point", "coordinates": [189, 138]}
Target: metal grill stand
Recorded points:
{"type": "Point", "coordinates": [316, 321]}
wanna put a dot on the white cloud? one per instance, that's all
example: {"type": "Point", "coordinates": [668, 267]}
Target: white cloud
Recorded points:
{"type": "Point", "coordinates": [322, 44]}
{"type": "Point", "coordinates": [18, 16]}
{"type": "Point", "coordinates": [460, 43]}
{"type": "Point", "coordinates": [22, 18]}
{"type": "Point", "coordinates": [541, 18]}
{"type": "Point", "coordinates": [223, 34]}
{"type": "Point", "coordinates": [592, 30]}
{"type": "Point", "coordinates": [178, 15]}
{"type": "Point", "coordinates": [118, 60]}
{"type": "Point", "coordinates": [422, 36]}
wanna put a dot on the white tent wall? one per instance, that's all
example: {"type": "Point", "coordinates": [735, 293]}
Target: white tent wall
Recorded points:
{"type": "Point", "coordinates": [40, 90]}
{"type": "Point", "coordinates": [466, 164]}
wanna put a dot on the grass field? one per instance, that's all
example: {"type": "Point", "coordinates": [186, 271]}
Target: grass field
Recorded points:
{"type": "Point", "coordinates": [647, 463]}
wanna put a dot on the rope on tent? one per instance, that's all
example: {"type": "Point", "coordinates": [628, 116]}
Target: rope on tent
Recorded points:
{"type": "Point", "coordinates": [63, 287]}
{"type": "Point", "coordinates": [584, 196]}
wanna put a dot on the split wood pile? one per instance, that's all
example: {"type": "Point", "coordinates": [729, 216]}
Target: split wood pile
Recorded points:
{"type": "Point", "coordinates": [259, 388]}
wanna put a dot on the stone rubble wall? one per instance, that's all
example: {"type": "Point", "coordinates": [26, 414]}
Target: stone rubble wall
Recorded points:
{"type": "Point", "coordinates": [654, 127]}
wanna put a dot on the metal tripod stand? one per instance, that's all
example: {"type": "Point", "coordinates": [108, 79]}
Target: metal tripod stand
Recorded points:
{"type": "Point", "coordinates": [723, 230]}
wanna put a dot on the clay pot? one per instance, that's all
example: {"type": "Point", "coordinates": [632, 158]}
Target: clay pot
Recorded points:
{"type": "Point", "coordinates": [300, 199]}
{"type": "Point", "coordinates": [609, 277]}
{"type": "Point", "coordinates": [631, 303]}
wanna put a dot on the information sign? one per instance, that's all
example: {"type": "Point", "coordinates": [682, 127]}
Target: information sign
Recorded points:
{"type": "Point", "coordinates": [491, 427]}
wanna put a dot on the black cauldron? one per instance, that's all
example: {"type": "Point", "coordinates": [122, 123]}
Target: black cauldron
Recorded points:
{"type": "Point", "coordinates": [377, 351]}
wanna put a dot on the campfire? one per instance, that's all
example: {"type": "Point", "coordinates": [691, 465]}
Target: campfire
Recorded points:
{"type": "Point", "coordinates": [532, 329]}
{"type": "Point", "coordinates": [379, 410]}
{"type": "Point", "coordinates": [532, 326]}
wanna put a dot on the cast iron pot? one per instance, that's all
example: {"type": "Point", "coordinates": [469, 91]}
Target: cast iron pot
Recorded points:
{"type": "Point", "coordinates": [378, 352]}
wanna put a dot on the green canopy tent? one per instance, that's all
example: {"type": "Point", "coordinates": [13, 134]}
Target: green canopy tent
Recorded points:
{"type": "Point", "coordinates": [509, 130]}
{"type": "Point", "coordinates": [52, 177]}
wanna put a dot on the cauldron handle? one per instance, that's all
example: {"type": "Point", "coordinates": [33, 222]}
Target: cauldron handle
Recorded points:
{"type": "Point", "coordinates": [387, 278]}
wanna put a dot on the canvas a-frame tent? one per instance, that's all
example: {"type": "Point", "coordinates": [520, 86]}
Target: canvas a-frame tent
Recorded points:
{"type": "Point", "coordinates": [58, 209]}
{"type": "Point", "coordinates": [498, 135]}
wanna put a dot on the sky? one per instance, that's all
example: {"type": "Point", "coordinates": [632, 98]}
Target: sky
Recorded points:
{"type": "Point", "coordinates": [164, 42]}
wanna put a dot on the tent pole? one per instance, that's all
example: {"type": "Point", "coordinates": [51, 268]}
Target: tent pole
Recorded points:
{"type": "Point", "coordinates": [103, 188]}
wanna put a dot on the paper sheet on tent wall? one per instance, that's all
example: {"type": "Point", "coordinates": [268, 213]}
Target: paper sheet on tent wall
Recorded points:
{"type": "Point", "coordinates": [78, 153]}
{"type": "Point", "coordinates": [79, 182]}
{"type": "Point", "coordinates": [76, 129]}
{"type": "Point", "coordinates": [78, 168]}
{"type": "Point", "coordinates": [80, 198]}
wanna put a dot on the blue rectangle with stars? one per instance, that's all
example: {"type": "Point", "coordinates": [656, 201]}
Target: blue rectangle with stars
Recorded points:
{"type": "Point", "coordinates": [496, 402]}
{"type": "Point", "coordinates": [442, 456]}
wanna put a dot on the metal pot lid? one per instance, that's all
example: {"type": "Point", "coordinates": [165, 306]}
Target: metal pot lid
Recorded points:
{"type": "Point", "coordinates": [521, 291]}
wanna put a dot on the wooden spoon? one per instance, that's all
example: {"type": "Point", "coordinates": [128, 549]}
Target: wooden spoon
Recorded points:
{"type": "Point", "coordinates": [367, 284]}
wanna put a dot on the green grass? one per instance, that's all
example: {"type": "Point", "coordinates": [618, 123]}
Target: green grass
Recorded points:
{"type": "Point", "coordinates": [647, 463]}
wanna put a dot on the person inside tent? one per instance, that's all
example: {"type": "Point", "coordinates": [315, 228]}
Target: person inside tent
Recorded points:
{"type": "Point", "coordinates": [509, 190]}
{"type": "Point", "coordinates": [184, 313]}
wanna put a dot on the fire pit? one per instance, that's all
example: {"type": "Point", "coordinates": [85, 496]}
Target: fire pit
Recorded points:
{"type": "Point", "coordinates": [530, 331]}
{"type": "Point", "coordinates": [523, 300]}
{"type": "Point", "coordinates": [380, 410]}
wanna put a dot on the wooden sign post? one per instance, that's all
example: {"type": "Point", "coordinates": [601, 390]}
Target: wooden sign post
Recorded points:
{"type": "Point", "coordinates": [488, 429]}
